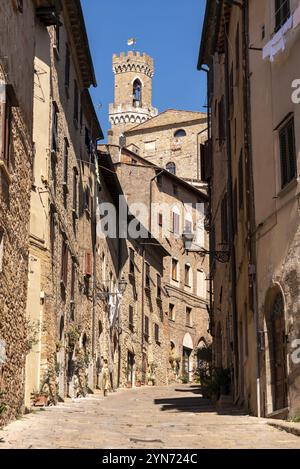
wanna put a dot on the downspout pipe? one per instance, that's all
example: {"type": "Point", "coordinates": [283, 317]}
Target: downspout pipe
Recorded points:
{"type": "Point", "coordinates": [250, 197]}
{"type": "Point", "coordinates": [231, 216]}
{"type": "Point", "coordinates": [209, 193]}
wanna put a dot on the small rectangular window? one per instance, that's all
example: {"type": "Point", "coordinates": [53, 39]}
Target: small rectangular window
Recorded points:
{"type": "Point", "coordinates": [147, 275]}
{"type": "Point", "coordinates": [158, 284]}
{"type": "Point", "coordinates": [156, 333]}
{"type": "Point", "coordinates": [176, 223]}
{"type": "Point", "coordinates": [1, 249]}
{"type": "Point", "coordinates": [160, 219]}
{"type": "Point", "coordinates": [282, 13]}
{"type": "Point", "coordinates": [288, 153]}
{"type": "Point", "coordinates": [171, 312]}
{"type": "Point", "coordinates": [146, 332]}
{"type": "Point", "coordinates": [189, 317]}
{"type": "Point", "coordinates": [73, 281]}
{"type": "Point", "coordinates": [54, 124]}
{"type": "Point", "coordinates": [5, 130]}
{"type": "Point", "coordinates": [131, 317]}
{"type": "Point", "coordinates": [187, 275]}
{"type": "Point", "coordinates": [64, 263]}
{"type": "Point", "coordinates": [131, 262]}
{"type": "Point", "coordinates": [175, 270]}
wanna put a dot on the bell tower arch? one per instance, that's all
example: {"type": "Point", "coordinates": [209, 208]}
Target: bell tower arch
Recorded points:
{"type": "Point", "coordinates": [133, 93]}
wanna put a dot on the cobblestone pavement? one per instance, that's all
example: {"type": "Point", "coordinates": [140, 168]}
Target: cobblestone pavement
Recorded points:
{"type": "Point", "coordinates": [171, 417]}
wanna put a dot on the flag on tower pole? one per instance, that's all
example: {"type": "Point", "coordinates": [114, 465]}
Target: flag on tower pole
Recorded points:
{"type": "Point", "coordinates": [131, 42]}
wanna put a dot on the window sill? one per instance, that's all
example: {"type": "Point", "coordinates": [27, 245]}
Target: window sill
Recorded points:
{"type": "Point", "coordinates": [289, 187]}
{"type": "Point", "coordinates": [4, 170]}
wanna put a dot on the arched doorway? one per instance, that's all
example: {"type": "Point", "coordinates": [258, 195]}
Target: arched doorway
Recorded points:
{"type": "Point", "coordinates": [277, 350]}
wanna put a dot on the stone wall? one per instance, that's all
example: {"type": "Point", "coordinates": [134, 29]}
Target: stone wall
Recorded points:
{"type": "Point", "coordinates": [16, 69]}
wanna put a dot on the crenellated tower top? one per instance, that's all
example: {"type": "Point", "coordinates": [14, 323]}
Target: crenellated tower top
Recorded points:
{"type": "Point", "coordinates": [133, 62]}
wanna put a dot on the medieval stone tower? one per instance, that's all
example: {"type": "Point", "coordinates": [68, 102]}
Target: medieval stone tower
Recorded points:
{"type": "Point", "coordinates": [133, 93]}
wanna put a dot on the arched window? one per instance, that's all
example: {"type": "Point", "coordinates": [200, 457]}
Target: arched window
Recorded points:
{"type": "Point", "coordinates": [171, 167]}
{"type": "Point", "coordinates": [180, 133]}
{"type": "Point", "coordinates": [137, 93]}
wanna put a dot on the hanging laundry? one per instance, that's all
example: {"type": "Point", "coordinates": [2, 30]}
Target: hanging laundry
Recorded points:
{"type": "Point", "coordinates": [278, 42]}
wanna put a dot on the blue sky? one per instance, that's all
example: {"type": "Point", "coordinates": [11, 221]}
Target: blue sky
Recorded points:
{"type": "Point", "coordinates": [168, 30]}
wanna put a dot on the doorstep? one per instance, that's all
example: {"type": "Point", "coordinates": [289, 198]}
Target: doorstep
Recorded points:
{"type": "Point", "coordinates": [288, 427]}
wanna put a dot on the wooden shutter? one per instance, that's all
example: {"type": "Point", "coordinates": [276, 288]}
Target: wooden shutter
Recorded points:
{"type": "Point", "coordinates": [146, 326]}
{"type": "Point", "coordinates": [156, 332]}
{"type": "Point", "coordinates": [176, 223]}
{"type": "Point", "coordinates": [64, 263]}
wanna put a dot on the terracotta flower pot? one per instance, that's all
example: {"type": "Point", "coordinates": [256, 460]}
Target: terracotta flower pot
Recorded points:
{"type": "Point", "coordinates": [41, 401]}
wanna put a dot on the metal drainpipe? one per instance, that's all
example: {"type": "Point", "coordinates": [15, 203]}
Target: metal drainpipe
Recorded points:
{"type": "Point", "coordinates": [250, 197]}
{"type": "Point", "coordinates": [143, 308]}
{"type": "Point", "coordinates": [120, 307]}
{"type": "Point", "coordinates": [231, 217]}
{"type": "Point", "coordinates": [210, 208]}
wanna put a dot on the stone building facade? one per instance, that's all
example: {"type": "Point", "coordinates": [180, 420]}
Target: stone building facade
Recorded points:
{"type": "Point", "coordinates": [172, 140]}
{"type": "Point", "coordinates": [251, 106]}
{"type": "Point", "coordinates": [16, 158]}
{"type": "Point", "coordinates": [183, 286]}
{"type": "Point", "coordinates": [61, 294]}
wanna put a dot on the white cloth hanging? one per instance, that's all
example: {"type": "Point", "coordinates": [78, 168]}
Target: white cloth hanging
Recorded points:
{"type": "Point", "coordinates": [278, 42]}
{"type": "Point", "coordinates": [296, 17]}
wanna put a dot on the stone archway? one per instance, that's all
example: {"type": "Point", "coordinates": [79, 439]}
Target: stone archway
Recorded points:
{"type": "Point", "coordinates": [276, 351]}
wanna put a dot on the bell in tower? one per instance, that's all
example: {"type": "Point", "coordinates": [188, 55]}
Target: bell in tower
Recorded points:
{"type": "Point", "coordinates": [133, 93]}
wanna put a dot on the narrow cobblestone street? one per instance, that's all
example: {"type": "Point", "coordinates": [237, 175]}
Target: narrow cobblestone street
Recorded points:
{"type": "Point", "coordinates": [171, 417]}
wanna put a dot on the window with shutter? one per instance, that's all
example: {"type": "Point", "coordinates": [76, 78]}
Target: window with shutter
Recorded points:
{"type": "Point", "coordinates": [147, 276]}
{"type": "Point", "coordinates": [73, 280]}
{"type": "Point", "coordinates": [176, 223]}
{"type": "Point", "coordinates": [156, 333]}
{"type": "Point", "coordinates": [146, 327]}
{"type": "Point", "coordinates": [64, 263]}
{"type": "Point", "coordinates": [158, 283]}
{"type": "Point", "coordinates": [131, 262]}
{"type": "Point", "coordinates": [131, 317]}
{"type": "Point", "coordinates": [5, 126]}
{"type": "Point", "coordinates": [54, 132]}
{"type": "Point", "coordinates": [1, 249]}
{"type": "Point", "coordinates": [287, 153]}
{"type": "Point", "coordinates": [75, 192]}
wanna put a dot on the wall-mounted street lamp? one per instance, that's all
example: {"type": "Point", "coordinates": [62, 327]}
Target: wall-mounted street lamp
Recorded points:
{"type": "Point", "coordinates": [189, 245]}
{"type": "Point", "coordinates": [122, 285]}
